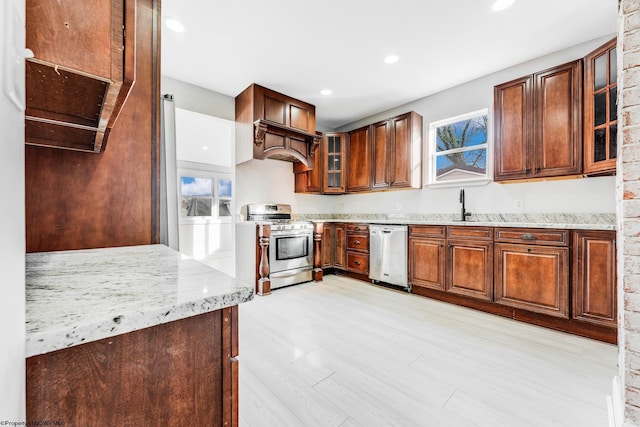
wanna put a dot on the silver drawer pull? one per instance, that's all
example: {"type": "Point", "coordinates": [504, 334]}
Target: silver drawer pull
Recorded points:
{"type": "Point", "coordinates": [356, 242]}
{"type": "Point", "coordinates": [356, 262]}
{"type": "Point", "coordinates": [528, 237]}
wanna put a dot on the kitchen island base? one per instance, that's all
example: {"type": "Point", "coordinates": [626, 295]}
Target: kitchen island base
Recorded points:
{"type": "Point", "coordinates": [179, 373]}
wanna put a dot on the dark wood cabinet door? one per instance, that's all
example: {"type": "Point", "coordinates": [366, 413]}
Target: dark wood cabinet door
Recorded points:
{"type": "Point", "coordinates": [286, 111]}
{"type": "Point", "coordinates": [333, 152]}
{"type": "Point", "coordinates": [381, 145]}
{"type": "Point", "coordinates": [513, 112]}
{"type": "Point", "coordinates": [301, 115]}
{"type": "Point", "coordinates": [275, 107]}
{"type": "Point", "coordinates": [308, 180]}
{"type": "Point", "coordinates": [404, 130]}
{"type": "Point", "coordinates": [600, 110]}
{"type": "Point", "coordinates": [534, 278]}
{"type": "Point", "coordinates": [594, 277]}
{"type": "Point", "coordinates": [328, 244]}
{"type": "Point", "coordinates": [340, 259]}
{"type": "Point", "coordinates": [558, 121]}
{"type": "Point", "coordinates": [359, 158]}
{"type": "Point", "coordinates": [426, 263]}
{"type": "Point", "coordinates": [314, 176]}
{"type": "Point", "coordinates": [159, 375]}
{"type": "Point", "coordinates": [470, 268]}
{"type": "Point", "coordinates": [538, 124]}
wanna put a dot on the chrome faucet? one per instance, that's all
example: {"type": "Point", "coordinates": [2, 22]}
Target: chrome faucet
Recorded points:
{"type": "Point", "coordinates": [463, 213]}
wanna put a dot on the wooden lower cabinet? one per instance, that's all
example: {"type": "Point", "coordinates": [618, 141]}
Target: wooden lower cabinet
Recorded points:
{"type": "Point", "coordinates": [426, 262]}
{"type": "Point", "coordinates": [594, 277]}
{"type": "Point", "coordinates": [340, 259]}
{"type": "Point", "coordinates": [178, 373]}
{"type": "Point", "coordinates": [334, 246]}
{"type": "Point", "coordinates": [470, 268]}
{"type": "Point", "coordinates": [461, 264]}
{"type": "Point", "coordinates": [328, 244]}
{"type": "Point", "coordinates": [427, 257]}
{"type": "Point", "coordinates": [532, 277]}
{"type": "Point", "coordinates": [357, 244]}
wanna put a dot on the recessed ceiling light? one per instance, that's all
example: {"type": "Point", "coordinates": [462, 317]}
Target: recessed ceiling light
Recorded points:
{"type": "Point", "coordinates": [326, 92]}
{"type": "Point", "coordinates": [502, 5]}
{"type": "Point", "coordinates": [174, 25]}
{"type": "Point", "coordinates": [205, 148]}
{"type": "Point", "coordinates": [391, 59]}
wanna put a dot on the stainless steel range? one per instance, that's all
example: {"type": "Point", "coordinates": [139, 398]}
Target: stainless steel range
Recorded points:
{"type": "Point", "coordinates": [290, 255]}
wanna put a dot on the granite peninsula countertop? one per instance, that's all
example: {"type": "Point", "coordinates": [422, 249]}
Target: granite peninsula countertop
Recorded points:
{"type": "Point", "coordinates": [582, 221]}
{"type": "Point", "coordinates": [78, 296]}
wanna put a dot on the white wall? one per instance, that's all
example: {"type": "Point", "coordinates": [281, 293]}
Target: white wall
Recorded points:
{"type": "Point", "coordinates": [12, 242]}
{"type": "Point", "coordinates": [195, 98]}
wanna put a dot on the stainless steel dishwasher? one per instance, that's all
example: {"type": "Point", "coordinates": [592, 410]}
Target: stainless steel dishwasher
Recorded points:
{"type": "Point", "coordinates": [388, 254]}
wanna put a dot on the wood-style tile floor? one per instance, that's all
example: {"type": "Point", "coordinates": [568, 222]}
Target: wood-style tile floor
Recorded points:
{"type": "Point", "coordinates": [347, 353]}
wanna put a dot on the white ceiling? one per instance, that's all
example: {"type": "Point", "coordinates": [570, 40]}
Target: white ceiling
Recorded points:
{"type": "Point", "coordinates": [299, 47]}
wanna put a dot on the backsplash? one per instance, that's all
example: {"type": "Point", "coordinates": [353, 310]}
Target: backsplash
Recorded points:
{"type": "Point", "coordinates": [608, 219]}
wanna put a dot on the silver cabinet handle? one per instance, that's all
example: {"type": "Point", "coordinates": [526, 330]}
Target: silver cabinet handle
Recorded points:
{"type": "Point", "coordinates": [528, 237]}
{"type": "Point", "coordinates": [356, 242]}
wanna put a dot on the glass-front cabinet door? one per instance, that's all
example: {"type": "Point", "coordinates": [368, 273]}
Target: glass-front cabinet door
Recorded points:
{"type": "Point", "coordinates": [334, 149]}
{"type": "Point", "coordinates": [600, 110]}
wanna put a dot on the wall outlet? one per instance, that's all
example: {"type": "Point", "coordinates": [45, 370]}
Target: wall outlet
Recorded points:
{"type": "Point", "coordinates": [398, 206]}
{"type": "Point", "coordinates": [519, 204]}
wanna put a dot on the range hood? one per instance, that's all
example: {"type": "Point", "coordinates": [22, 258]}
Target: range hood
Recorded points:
{"type": "Point", "coordinates": [277, 126]}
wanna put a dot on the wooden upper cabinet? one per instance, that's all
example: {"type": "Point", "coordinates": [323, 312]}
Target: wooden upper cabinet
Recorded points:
{"type": "Point", "coordinates": [594, 277]}
{"type": "Point", "coordinates": [513, 117]}
{"type": "Point", "coordinates": [397, 152]}
{"type": "Point", "coordinates": [538, 124]}
{"type": "Point", "coordinates": [308, 180]}
{"type": "Point", "coordinates": [600, 110]}
{"type": "Point", "coordinates": [406, 151]}
{"type": "Point", "coordinates": [359, 158]}
{"type": "Point", "coordinates": [334, 145]}
{"type": "Point", "coordinates": [81, 73]}
{"type": "Point", "coordinates": [287, 111]}
{"type": "Point", "coordinates": [558, 120]}
{"type": "Point", "coordinates": [381, 142]}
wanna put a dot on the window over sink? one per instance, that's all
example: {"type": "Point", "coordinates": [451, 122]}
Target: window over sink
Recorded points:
{"type": "Point", "coordinates": [458, 149]}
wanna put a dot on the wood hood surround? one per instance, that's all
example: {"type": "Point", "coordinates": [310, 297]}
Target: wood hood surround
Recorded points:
{"type": "Point", "coordinates": [280, 127]}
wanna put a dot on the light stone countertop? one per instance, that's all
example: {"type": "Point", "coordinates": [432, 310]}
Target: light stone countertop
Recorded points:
{"type": "Point", "coordinates": [78, 296]}
{"type": "Point", "coordinates": [583, 221]}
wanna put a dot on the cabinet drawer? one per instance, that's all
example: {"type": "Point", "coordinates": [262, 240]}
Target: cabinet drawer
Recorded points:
{"type": "Point", "coordinates": [358, 242]}
{"type": "Point", "coordinates": [475, 233]}
{"type": "Point", "coordinates": [357, 228]}
{"type": "Point", "coordinates": [358, 262]}
{"type": "Point", "coordinates": [427, 230]}
{"type": "Point", "coordinates": [536, 236]}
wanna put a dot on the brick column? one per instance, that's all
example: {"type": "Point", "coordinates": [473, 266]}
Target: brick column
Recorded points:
{"type": "Point", "coordinates": [626, 393]}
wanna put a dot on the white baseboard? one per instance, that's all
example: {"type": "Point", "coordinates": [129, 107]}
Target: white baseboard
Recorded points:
{"type": "Point", "coordinates": [615, 405]}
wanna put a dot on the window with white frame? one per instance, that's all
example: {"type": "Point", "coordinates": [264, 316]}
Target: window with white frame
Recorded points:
{"type": "Point", "coordinates": [196, 196]}
{"type": "Point", "coordinates": [458, 149]}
